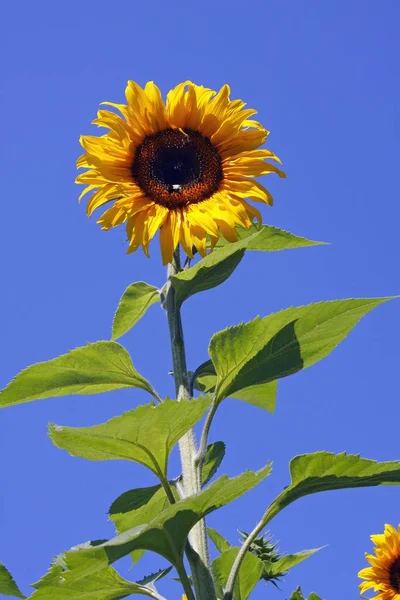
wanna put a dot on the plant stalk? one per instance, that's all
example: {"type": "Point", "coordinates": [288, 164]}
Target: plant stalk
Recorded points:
{"type": "Point", "coordinates": [185, 581]}
{"type": "Point", "coordinates": [191, 480]}
{"type": "Point", "coordinates": [269, 514]}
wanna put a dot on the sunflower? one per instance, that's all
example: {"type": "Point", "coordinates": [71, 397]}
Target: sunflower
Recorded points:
{"type": "Point", "coordinates": [184, 167]}
{"type": "Point", "coordinates": [383, 575]}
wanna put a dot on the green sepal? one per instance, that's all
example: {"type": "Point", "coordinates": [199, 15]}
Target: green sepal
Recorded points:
{"type": "Point", "coordinates": [135, 301]}
{"type": "Point", "coordinates": [99, 367]}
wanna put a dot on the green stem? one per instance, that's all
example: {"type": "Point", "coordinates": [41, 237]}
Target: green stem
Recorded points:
{"type": "Point", "coordinates": [180, 568]}
{"type": "Point", "coordinates": [167, 490]}
{"type": "Point", "coordinates": [274, 508]}
{"type": "Point", "coordinates": [187, 445]}
{"type": "Point", "coordinates": [201, 454]}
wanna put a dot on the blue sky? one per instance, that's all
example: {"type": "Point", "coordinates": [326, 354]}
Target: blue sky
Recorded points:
{"type": "Point", "coordinates": [324, 78]}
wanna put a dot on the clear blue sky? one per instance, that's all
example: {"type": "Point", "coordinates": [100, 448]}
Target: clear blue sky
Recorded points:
{"type": "Point", "coordinates": [324, 77]}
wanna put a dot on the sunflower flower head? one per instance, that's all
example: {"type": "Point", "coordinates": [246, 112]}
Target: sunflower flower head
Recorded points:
{"type": "Point", "coordinates": [383, 576]}
{"type": "Point", "coordinates": [185, 167]}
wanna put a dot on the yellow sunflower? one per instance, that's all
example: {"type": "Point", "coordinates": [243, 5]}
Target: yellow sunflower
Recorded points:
{"type": "Point", "coordinates": [184, 167]}
{"type": "Point", "coordinates": [383, 575]}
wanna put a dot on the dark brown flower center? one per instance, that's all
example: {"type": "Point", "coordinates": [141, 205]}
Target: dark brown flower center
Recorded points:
{"type": "Point", "coordinates": [177, 167]}
{"type": "Point", "coordinates": [394, 575]}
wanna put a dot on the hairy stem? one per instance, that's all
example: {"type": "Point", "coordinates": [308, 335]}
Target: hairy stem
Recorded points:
{"type": "Point", "coordinates": [200, 456]}
{"type": "Point", "coordinates": [185, 581]}
{"type": "Point", "coordinates": [191, 482]}
{"type": "Point", "coordinates": [269, 514]}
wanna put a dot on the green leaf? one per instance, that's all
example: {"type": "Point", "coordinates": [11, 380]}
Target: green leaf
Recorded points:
{"type": "Point", "coordinates": [214, 456]}
{"type": "Point", "coordinates": [8, 587]}
{"type": "Point", "coordinates": [262, 395]}
{"type": "Point", "coordinates": [99, 367]}
{"type": "Point", "coordinates": [323, 471]}
{"type": "Point", "coordinates": [211, 271]}
{"type": "Point", "coordinates": [205, 377]}
{"type": "Point", "coordinates": [283, 343]}
{"type": "Point", "coordinates": [286, 562]}
{"type": "Point", "coordinates": [217, 266]}
{"type": "Point", "coordinates": [221, 544]}
{"type": "Point", "coordinates": [135, 301]}
{"type": "Point", "coordinates": [249, 572]}
{"type": "Point", "coordinates": [145, 435]}
{"type": "Point", "coordinates": [139, 506]}
{"type": "Point", "coordinates": [297, 595]}
{"type": "Point", "coordinates": [106, 584]}
{"type": "Point", "coordinates": [151, 579]}
{"type": "Point", "coordinates": [167, 533]}
{"type": "Point", "coordinates": [270, 239]}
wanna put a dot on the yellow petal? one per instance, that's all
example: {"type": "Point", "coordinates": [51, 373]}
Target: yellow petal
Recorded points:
{"type": "Point", "coordinates": [166, 241]}
{"type": "Point", "coordinates": [228, 232]}
{"type": "Point", "coordinates": [184, 236]}
{"type": "Point", "coordinates": [249, 188]}
{"type": "Point", "coordinates": [199, 239]}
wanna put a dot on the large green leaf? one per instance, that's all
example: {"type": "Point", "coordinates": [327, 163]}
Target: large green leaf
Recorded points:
{"type": "Point", "coordinates": [323, 471]}
{"type": "Point", "coordinates": [135, 301]}
{"type": "Point", "coordinates": [297, 595]}
{"type": "Point", "coordinates": [262, 395]}
{"type": "Point", "coordinates": [8, 587]}
{"type": "Point", "coordinates": [99, 367]}
{"type": "Point", "coordinates": [106, 584]}
{"type": "Point", "coordinates": [145, 435]}
{"type": "Point", "coordinates": [249, 573]}
{"type": "Point", "coordinates": [283, 343]}
{"type": "Point", "coordinates": [167, 533]}
{"type": "Point", "coordinates": [269, 239]}
{"type": "Point", "coordinates": [217, 266]}
{"type": "Point", "coordinates": [211, 271]}
{"type": "Point", "coordinates": [213, 458]}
